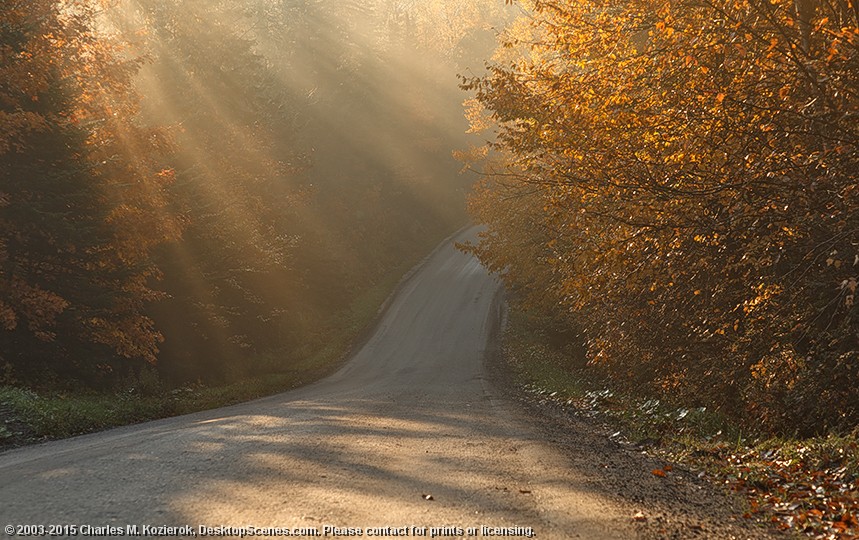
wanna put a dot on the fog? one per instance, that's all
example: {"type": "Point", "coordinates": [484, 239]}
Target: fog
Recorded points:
{"type": "Point", "coordinates": [312, 143]}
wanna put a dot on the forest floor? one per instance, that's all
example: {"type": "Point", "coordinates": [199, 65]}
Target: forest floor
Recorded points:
{"type": "Point", "coordinates": [795, 487]}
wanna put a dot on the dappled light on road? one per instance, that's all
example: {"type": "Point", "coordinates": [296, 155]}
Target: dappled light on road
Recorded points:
{"type": "Point", "coordinates": [409, 432]}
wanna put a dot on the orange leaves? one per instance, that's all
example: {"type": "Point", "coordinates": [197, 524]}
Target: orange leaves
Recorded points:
{"type": "Point", "coordinates": [663, 472]}
{"type": "Point", "coordinates": [848, 288]}
{"type": "Point", "coordinates": [83, 184]}
{"type": "Point", "coordinates": [694, 193]}
{"type": "Point", "coordinates": [834, 51]}
{"type": "Point", "coordinates": [664, 28]}
{"type": "Point", "coordinates": [39, 307]}
{"type": "Point", "coordinates": [8, 318]}
{"type": "Point", "coordinates": [167, 176]}
{"type": "Point", "coordinates": [798, 493]}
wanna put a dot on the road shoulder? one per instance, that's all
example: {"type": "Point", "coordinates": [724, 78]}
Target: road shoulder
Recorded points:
{"type": "Point", "coordinates": [662, 500]}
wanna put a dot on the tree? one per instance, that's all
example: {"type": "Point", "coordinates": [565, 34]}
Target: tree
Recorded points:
{"type": "Point", "coordinates": [233, 123]}
{"type": "Point", "coordinates": [82, 197]}
{"type": "Point", "coordinates": [692, 166]}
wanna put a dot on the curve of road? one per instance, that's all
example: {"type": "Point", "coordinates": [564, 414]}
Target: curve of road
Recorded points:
{"type": "Point", "coordinates": [409, 433]}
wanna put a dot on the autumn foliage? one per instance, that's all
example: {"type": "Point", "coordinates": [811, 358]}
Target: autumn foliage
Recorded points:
{"type": "Point", "coordinates": [675, 182]}
{"type": "Point", "coordinates": [82, 194]}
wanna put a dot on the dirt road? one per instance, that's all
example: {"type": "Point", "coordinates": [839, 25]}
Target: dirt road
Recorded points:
{"type": "Point", "coordinates": [408, 434]}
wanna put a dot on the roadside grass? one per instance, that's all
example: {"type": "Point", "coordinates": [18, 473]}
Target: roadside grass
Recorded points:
{"type": "Point", "coordinates": [27, 416]}
{"type": "Point", "coordinates": [805, 486]}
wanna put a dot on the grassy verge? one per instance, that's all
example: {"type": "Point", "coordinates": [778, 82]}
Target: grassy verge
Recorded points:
{"type": "Point", "coordinates": [809, 486]}
{"type": "Point", "coordinates": [27, 417]}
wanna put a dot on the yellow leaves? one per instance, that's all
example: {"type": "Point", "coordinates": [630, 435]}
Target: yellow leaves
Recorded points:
{"type": "Point", "coordinates": [475, 112]}
{"type": "Point", "coordinates": [763, 293]}
{"type": "Point", "coordinates": [472, 155]}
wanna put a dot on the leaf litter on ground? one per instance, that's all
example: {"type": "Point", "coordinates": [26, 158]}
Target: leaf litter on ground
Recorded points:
{"type": "Point", "coordinates": [805, 486]}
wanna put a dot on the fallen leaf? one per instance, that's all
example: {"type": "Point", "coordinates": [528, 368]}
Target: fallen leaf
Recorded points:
{"type": "Point", "coordinates": [658, 472]}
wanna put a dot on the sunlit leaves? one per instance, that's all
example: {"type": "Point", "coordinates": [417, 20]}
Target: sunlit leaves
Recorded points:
{"type": "Point", "coordinates": [83, 202]}
{"type": "Point", "coordinates": [807, 486]}
{"type": "Point", "coordinates": [678, 164]}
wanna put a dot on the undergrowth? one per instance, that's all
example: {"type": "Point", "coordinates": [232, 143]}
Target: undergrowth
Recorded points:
{"type": "Point", "coordinates": [28, 416]}
{"type": "Point", "coordinates": [804, 485]}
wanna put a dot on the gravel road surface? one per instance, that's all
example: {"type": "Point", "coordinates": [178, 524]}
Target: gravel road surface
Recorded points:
{"type": "Point", "coordinates": [413, 435]}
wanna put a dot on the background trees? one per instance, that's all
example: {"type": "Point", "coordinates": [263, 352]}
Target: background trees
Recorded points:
{"type": "Point", "coordinates": [207, 187]}
{"type": "Point", "coordinates": [688, 170]}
